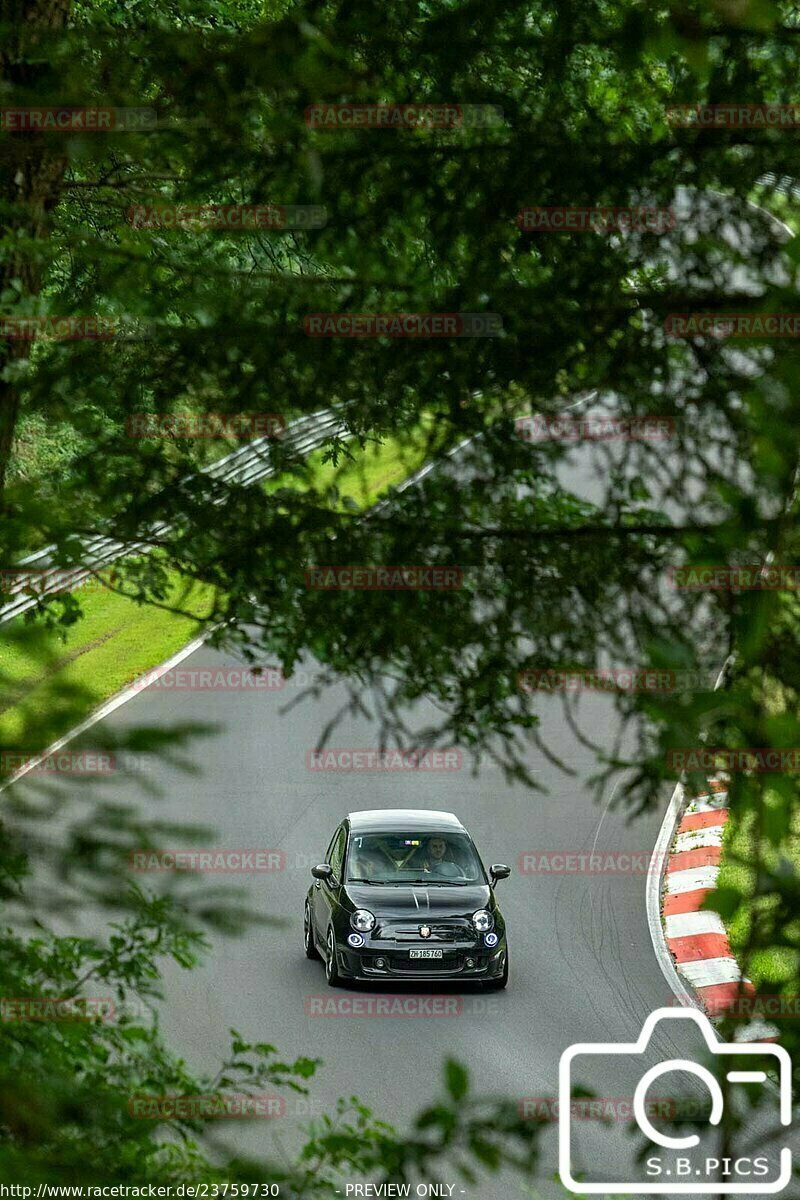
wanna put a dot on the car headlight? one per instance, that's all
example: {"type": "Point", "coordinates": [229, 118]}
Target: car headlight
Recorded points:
{"type": "Point", "coordinates": [362, 919]}
{"type": "Point", "coordinates": [482, 920]}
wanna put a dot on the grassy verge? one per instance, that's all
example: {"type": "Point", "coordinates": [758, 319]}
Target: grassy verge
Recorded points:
{"type": "Point", "coordinates": [49, 680]}
{"type": "Point", "coordinates": [776, 964]}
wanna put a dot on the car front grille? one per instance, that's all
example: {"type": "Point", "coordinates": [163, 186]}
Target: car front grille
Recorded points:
{"type": "Point", "coordinates": [422, 966]}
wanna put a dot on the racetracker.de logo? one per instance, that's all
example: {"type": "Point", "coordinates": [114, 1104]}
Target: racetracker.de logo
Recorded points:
{"type": "Point", "coordinates": [383, 1006]}
{"type": "Point", "coordinates": [204, 425]}
{"type": "Point", "coordinates": [573, 218]}
{"type": "Point", "coordinates": [733, 325]}
{"type": "Point", "coordinates": [384, 579]}
{"type": "Point", "coordinates": [595, 429]}
{"type": "Point", "coordinates": [211, 861]}
{"type": "Point", "coordinates": [734, 116]}
{"type": "Point", "coordinates": [206, 1106]}
{"type": "Point", "coordinates": [581, 862]}
{"type": "Point", "coordinates": [761, 759]}
{"type": "Point", "coordinates": [594, 1108]}
{"type": "Point", "coordinates": [59, 329]}
{"type": "Point", "coordinates": [56, 1008]}
{"type": "Point", "coordinates": [402, 325]}
{"type": "Point", "coordinates": [602, 679]}
{"type": "Point", "coordinates": [348, 759]}
{"type": "Point", "coordinates": [213, 679]}
{"type": "Point", "coordinates": [751, 577]}
{"type": "Point", "coordinates": [60, 762]}
{"type": "Point", "coordinates": [403, 116]}
{"type": "Point", "coordinates": [231, 217]}
{"type": "Point", "coordinates": [66, 119]}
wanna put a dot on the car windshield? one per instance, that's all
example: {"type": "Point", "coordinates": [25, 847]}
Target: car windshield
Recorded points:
{"type": "Point", "coordinates": [429, 858]}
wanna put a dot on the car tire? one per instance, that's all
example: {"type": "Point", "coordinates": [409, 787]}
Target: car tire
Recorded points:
{"type": "Point", "coordinates": [308, 934]}
{"type": "Point", "coordinates": [497, 985]}
{"type": "Point", "coordinates": [331, 967]}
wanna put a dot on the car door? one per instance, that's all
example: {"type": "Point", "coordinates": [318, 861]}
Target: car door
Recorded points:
{"type": "Point", "coordinates": [326, 895]}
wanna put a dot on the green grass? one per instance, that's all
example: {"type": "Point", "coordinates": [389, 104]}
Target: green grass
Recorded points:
{"type": "Point", "coordinates": [49, 682]}
{"type": "Point", "coordinates": [366, 476]}
{"type": "Point", "coordinates": [776, 964]}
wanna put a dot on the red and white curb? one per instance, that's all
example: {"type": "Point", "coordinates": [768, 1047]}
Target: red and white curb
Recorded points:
{"type": "Point", "coordinates": [696, 938]}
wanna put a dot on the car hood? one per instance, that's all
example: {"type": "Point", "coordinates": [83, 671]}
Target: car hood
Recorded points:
{"type": "Point", "coordinates": [420, 900]}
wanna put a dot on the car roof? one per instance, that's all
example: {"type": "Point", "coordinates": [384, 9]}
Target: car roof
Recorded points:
{"type": "Point", "coordinates": [428, 819]}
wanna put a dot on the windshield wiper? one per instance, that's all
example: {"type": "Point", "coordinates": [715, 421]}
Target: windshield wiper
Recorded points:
{"type": "Point", "coordinates": [375, 882]}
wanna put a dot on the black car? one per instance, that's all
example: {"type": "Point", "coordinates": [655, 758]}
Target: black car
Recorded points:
{"type": "Point", "coordinates": [403, 894]}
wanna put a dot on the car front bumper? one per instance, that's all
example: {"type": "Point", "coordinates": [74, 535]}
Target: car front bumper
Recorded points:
{"type": "Point", "coordinates": [466, 961]}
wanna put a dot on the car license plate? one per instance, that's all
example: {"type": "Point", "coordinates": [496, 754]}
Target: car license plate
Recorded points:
{"type": "Point", "coordinates": [425, 953]}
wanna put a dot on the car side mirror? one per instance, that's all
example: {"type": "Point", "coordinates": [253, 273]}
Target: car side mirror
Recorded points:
{"type": "Point", "coordinates": [499, 871]}
{"type": "Point", "coordinates": [323, 871]}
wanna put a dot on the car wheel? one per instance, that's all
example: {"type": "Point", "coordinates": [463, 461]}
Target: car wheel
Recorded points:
{"type": "Point", "coordinates": [308, 934]}
{"type": "Point", "coordinates": [331, 968]}
{"type": "Point", "coordinates": [497, 985]}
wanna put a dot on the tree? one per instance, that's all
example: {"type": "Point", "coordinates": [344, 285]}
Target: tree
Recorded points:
{"type": "Point", "coordinates": [423, 220]}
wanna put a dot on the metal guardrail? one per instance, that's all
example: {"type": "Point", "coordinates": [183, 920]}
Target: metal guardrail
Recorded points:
{"type": "Point", "coordinates": [788, 185]}
{"type": "Point", "coordinates": [247, 465]}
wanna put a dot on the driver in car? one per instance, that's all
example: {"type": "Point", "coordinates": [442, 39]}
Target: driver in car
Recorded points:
{"type": "Point", "coordinates": [437, 860]}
